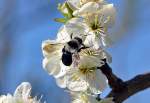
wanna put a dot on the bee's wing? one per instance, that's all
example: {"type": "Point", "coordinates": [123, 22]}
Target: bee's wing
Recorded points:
{"type": "Point", "coordinates": [52, 51]}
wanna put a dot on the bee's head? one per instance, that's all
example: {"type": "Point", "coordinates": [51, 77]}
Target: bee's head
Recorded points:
{"type": "Point", "coordinates": [73, 44]}
{"type": "Point", "coordinates": [79, 40]}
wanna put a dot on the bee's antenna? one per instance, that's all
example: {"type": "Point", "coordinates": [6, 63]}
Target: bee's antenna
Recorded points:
{"type": "Point", "coordinates": [71, 36]}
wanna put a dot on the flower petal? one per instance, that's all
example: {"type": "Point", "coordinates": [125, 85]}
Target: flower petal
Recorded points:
{"type": "Point", "coordinates": [52, 65]}
{"type": "Point", "coordinates": [106, 41]}
{"type": "Point", "coordinates": [93, 41]}
{"type": "Point", "coordinates": [89, 62]}
{"type": "Point", "coordinates": [90, 7]}
{"type": "Point", "coordinates": [109, 13]}
{"type": "Point", "coordinates": [97, 82]}
{"type": "Point", "coordinates": [61, 82]}
{"type": "Point", "coordinates": [77, 86]}
{"type": "Point", "coordinates": [63, 36]}
{"type": "Point", "coordinates": [89, 41]}
{"type": "Point", "coordinates": [51, 47]}
{"type": "Point", "coordinates": [101, 81]}
{"type": "Point", "coordinates": [75, 81]}
{"type": "Point", "coordinates": [74, 4]}
{"type": "Point", "coordinates": [74, 27]}
{"type": "Point", "coordinates": [62, 71]}
{"type": "Point", "coordinates": [23, 90]}
{"type": "Point", "coordinates": [107, 100]}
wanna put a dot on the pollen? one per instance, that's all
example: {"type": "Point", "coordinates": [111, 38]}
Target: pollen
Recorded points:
{"type": "Point", "coordinates": [89, 52]}
{"type": "Point", "coordinates": [86, 71]}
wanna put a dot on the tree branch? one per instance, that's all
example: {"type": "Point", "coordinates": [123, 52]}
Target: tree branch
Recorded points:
{"type": "Point", "coordinates": [122, 90]}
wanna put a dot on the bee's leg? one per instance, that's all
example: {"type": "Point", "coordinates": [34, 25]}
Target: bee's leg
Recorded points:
{"type": "Point", "coordinates": [83, 47]}
{"type": "Point", "coordinates": [63, 50]}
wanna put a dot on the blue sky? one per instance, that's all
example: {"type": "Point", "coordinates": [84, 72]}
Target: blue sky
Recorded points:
{"type": "Point", "coordinates": [29, 22]}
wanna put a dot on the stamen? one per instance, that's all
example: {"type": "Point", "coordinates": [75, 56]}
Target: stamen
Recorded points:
{"type": "Point", "coordinates": [86, 71]}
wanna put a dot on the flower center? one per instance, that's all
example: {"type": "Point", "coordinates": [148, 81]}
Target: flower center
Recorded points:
{"type": "Point", "coordinates": [87, 70]}
{"type": "Point", "coordinates": [89, 52]}
{"type": "Point", "coordinates": [96, 26]}
{"type": "Point", "coordinates": [84, 98]}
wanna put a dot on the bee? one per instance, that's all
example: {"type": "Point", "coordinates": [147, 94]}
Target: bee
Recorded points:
{"type": "Point", "coordinates": [71, 50]}
{"type": "Point", "coordinates": [55, 51]}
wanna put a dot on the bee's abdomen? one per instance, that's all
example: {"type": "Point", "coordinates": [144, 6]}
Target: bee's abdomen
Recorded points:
{"type": "Point", "coordinates": [67, 58]}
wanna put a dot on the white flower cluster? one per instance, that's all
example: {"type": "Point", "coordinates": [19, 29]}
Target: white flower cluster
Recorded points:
{"type": "Point", "coordinates": [83, 98]}
{"type": "Point", "coordinates": [21, 95]}
{"type": "Point", "coordinates": [88, 20]}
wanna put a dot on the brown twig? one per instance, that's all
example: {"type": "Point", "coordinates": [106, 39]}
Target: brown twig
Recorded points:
{"type": "Point", "coordinates": [122, 90]}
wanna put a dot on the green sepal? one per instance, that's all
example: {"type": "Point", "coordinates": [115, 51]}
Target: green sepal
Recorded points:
{"type": "Point", "coordinates": [70, 11]}
{"type": "Point", "coordinates": [61, 20]}
{"type": "Point", "coordinates": [60, 8]}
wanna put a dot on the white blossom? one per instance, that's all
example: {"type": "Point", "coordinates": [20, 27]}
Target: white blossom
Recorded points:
{"type": "Point", "coordinates": [90, 21]}
{"type": "Point", "coordinates": [21, 95]}
{"type": "Point", "coordinates": [52, 52]}
{"type": "Point", "coordinates": [74, 27]}
{"type": "Point", "coordinates": [106, 100]}
{"type": "Point", "coordinates": [92, 27]}
{"type": "Point", "coordinates": [77, 4]}
{"type": "Point", "coordinates": [80, 97]}
{"type": "Point", "coordinates": [85, 76]}
{"type": "Point", "coordinates": [97, 17]}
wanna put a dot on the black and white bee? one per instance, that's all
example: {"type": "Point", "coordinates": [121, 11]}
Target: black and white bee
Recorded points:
{"type": "Point", "coordinates": [72, 47]}
{"type": "Point", "coordinates": [67, 53]}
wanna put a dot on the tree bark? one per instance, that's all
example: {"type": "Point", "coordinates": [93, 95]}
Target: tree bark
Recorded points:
{"type": "Point", "coordinates": [122, 90]}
